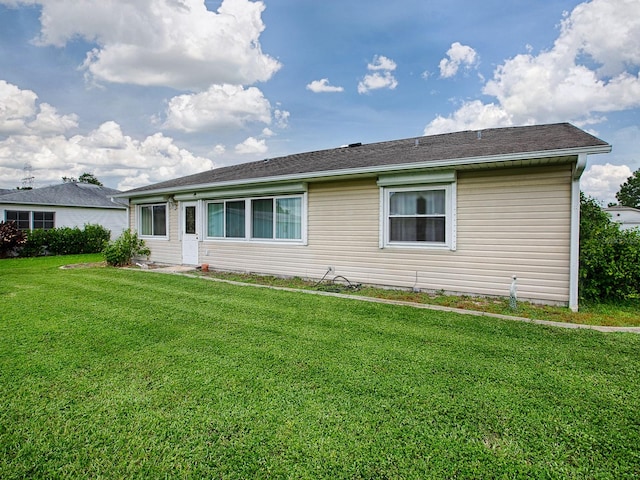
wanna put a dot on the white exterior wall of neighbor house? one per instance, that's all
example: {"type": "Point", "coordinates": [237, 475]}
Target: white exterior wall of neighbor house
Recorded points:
{"type": "Point", "coordinates": [512, 221]}
{"type": "Point", "coordinates": [628, 218]}
{"type": "Point", "coordinates": [114, 220]}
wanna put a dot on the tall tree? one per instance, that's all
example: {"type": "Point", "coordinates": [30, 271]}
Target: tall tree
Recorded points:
{"type": "Point", "coordinates": [89, 178]}
{"type": "Point", "coordinates": [629, 194]}
{"type": "Point", "coordinates": [84, 178]}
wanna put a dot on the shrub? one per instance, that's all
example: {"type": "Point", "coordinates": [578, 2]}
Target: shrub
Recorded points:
{"type": "Point", "coordinates": [37, 243]}
{"type": "Point", "coordinates": [609, 256]}
{"type": "Point", "coordinates": [96, 238]}
{"type": "Point", "coordinates": [124, 248]}
{"type": "Point", "coordinates": [65, 241]}
{"type": "Point", "coordinates": [11, 238]}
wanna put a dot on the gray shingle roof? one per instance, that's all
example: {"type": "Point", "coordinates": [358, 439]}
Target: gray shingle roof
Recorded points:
{"type": "Point", "coordinates": [67, 194]}
{"type": "Point", "coordinates": [450, 146]}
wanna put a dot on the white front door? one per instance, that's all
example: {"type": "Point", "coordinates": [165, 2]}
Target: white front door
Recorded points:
{"type": "Point", "coordinates": [190, 233]}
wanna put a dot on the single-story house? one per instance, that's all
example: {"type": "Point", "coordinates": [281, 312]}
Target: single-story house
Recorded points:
{"type": "Point", "coordinates": [69, 204]}
{"type": "Point", "coordinates": [627, 217]}
{"type": "Point", "coordinates": [460, 212]}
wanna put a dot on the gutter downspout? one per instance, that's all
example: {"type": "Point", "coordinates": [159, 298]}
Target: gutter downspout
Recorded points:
{"type": "Point", "coordinates": [574, 255]}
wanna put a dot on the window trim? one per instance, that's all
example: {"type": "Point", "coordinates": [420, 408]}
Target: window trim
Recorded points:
{"type": "Point", "coordinates": [44, 220]}
{"type": "Point", "coordinates": [139, 208]}
{"type": "Point", "coordinates": [450, 216]}
{"type": "Point", "coordinates": [31, 218]}
{"type": "Point", "coordinates": [248, 228]}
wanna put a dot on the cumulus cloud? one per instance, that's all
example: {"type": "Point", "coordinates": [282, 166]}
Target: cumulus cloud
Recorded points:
{"type": "Point", "coordinates": [458, 55]}
{"type": "Point", "coordinates": [34, 134]}
{"type": "Point", "coordinates": [178, 44]}
{"type": "Point", "coordinates": [603, 181]}
{"type": "Point", "coordinates": [19, 113]}
{"type": "Point", "coordinates": [591, 69]}
{"type": "Point", "coordinates": [380, 62]}
{"type": "Point", "coordinates": [382, 76]}
{"type": "Point", "coordinates": [473, 115]}
{"type": "Point", "coordinates": [251, 145]}
{"type": "Point", "coordinates": [323, 86]}
{"type": "Point", "coordinates": [219, 106]}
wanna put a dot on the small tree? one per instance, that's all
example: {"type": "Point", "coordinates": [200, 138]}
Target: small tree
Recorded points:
{"type": "Point", "coordinates": [609, 257]}
{"type": "Point", "coordinates": [11, 238]}
{"type": "Point", "coordinates": [629, 194]}
{"type": "Point", "coordinates": [127, 246]}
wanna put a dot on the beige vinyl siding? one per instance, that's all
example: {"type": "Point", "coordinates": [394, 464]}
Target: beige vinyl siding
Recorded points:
{"type": "Point", "coordinates": [163, 250]}
{"type": "Point", "coordinates": [342, 217]}
{"type": "Point", "coordinates": [510, 221]}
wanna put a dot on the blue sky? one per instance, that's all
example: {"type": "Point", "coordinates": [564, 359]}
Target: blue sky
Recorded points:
{"type": "Point", "coordinates": [140, 92]}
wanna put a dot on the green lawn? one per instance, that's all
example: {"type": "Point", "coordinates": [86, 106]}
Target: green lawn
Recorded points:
{"type": "Point", "coordinates": [113, 373]}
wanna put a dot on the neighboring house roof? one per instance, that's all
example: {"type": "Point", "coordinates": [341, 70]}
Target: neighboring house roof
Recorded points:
{"type": "Point", "coordinates": [451, 149]}
{"type": "Point", "coordinates": [70, 194]}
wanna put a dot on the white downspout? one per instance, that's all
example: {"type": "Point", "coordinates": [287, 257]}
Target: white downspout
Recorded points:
{"type": "Point", "coordinates": [574, 255]}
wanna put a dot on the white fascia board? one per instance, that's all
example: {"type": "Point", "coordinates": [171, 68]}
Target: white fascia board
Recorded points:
{"type": "Point", "coordinates": [326, 174]}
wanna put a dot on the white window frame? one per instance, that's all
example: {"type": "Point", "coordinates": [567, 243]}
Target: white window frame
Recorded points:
{"type": "Point", "coordinates": [450, 216]}
{"type": "Point", "coordinates": [248, 218]}
{"type": "Point", "coordinates": [166, 220]}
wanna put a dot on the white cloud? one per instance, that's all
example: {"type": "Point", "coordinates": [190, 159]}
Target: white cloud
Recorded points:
{"type": "Point", "coordinates": [322, 86]}
{"type": "Point", "coordinates": [382, 76]}
{"type": "Point", "coordinates": [473, 115]}
{"type": "Point", "coordinates": [35, 135]}
{"type": "Point", "coordinates": [19, 113]}
{"type": "Point", "coordinates": [251, 145]}
{"type": "Point", "coordinates": [380, 62]}
{"type": "Point", "coordinates": [281, 117]}
{"type": "Point", "coordinates": [458, 55]}
{"type": "Point", "coordinates": [178, 44]}
{"type": "Point", "coordinates": [603, 181]}
{"type": "Point", "coordinates": [592, 69]}
{"type": "Point", "coordinates": [219, 106]}
{"type": "Point", "coordinates": [218, 150]}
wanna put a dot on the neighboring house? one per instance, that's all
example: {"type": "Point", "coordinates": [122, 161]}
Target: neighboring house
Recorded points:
{"type": "Point", "coordinates": [67, 205]}
{"type": "Point", "coordinates": [627, 217]}
{"type": "Point", "coordinates": [460, 212]}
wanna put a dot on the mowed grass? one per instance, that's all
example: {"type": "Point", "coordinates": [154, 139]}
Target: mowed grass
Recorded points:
{"type": "Point", "coordinates": [113, 373]}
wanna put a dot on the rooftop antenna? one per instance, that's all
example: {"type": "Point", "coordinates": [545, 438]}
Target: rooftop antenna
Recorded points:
{"type": "Point", "coordinates": [27, 180]}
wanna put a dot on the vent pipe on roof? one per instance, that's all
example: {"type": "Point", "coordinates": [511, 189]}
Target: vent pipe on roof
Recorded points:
{"type": "Point", "coordinates": [417, 142]}
{"type": "Point", "coordinates": [479, 134]}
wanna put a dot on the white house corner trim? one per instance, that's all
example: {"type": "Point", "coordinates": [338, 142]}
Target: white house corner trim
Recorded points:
{"type": "Point", "coordinates": [382, 213]}
{"type": "Point", "coordinates": [454, 217]}
{"type": "Point", "coordinates": [574, 255]}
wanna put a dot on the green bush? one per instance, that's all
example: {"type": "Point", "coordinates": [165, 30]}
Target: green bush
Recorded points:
{"type": "Point", "coordinates": [37, 243]}
{"type": "Point", "coordinates": [11, 239]}
{"type": "Point", "coordinates": [96, 238]}
{"type": "Point", "coordinates": [124, 248]}
{"type": "Point", "coordinates": [65, 241]}
{"type": "Point", "coordinates": [609, 256]}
